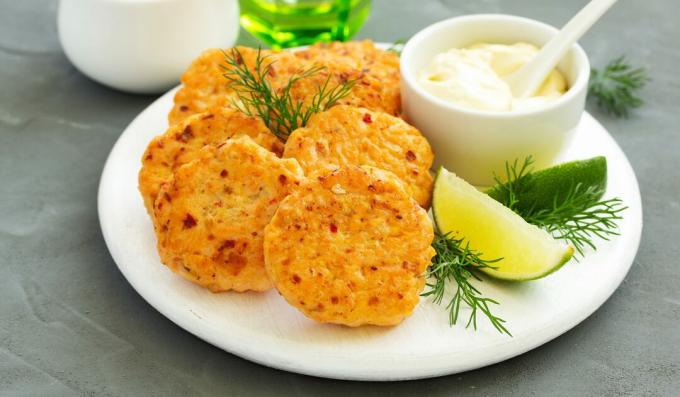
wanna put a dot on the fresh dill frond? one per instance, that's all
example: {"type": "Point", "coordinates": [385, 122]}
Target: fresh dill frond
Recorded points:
{"type": "Point", "coordinates": [397, 47]}
{"type": "Point", "coordinates": [280, 111]}
{"type": "Point", "coordinates": [615, 87]}
{"type": "Point", "coordinates": [455, 261]}
{"type": "Point", "coordinates": [579, 216]}
{"type": "Point", "coordinates": [512, 187]}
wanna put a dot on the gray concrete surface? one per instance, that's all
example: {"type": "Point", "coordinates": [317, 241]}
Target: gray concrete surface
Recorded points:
{"type": "Point", "coordinates": [71, 325]}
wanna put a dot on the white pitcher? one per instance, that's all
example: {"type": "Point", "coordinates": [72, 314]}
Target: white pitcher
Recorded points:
{"type": "Point", "coordinates": [143, 46]}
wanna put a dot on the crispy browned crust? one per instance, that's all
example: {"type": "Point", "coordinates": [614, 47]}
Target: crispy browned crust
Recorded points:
{"type": "Point", "coordinates": [350, 248]}
{"type": "Point", "coordinates": [210, 216]}
{"type": "Point", "coordinates": [180, 143]}
{"type": "Point", "coordinates": [346, 135]}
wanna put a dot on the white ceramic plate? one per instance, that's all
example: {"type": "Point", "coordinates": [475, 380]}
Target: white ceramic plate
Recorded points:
{"type": "Point", "coordinates": [263, 328]}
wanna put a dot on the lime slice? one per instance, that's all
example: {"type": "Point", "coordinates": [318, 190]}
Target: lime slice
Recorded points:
{"type": "Point", "coordinates": [540, 189]}
{"type": "Point", "coordinates": [494, 231]}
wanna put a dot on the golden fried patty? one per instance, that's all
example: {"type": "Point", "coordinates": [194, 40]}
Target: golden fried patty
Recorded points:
{"type": "Point", "coordinates": [179, 144]}
{"type": "Point", "coordinates": [346, 135]}
{"type": "Point", "coordinates": [210, 216]}
{"type": "Point", "coordinates": [350, 248]}
{"type": "Point", "coordinates": [375, 72]}
{"type": "Point", "coordinates": [204, 85]}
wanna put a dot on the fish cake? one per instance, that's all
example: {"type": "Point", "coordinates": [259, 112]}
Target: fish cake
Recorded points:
{"type": "Point", "coordinates": [376, 71]}
{"type": "Point", "coordinates": [204, 85]}
{"type": "Point", "coordinates": [179, 144]}
{"type": "Point", "coordinates": [210, 216]}
{"type": "Point", "coordinates": [350, 247]}
{"type": "Point", "coordinates": [346, 135]}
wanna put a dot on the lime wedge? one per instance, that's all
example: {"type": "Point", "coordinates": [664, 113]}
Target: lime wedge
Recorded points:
{"type": "Point", "coordinates": [494, 231]}
{"type": "Point", "coordinates": [541, 189]}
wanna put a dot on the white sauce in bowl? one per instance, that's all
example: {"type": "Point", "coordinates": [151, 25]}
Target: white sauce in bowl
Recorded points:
{"type": "Point", "coordinates": [473, 77]}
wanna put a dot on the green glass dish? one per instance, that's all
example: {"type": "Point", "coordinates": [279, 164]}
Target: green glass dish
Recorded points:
{"type": "Point", "coordinates": [290, 23]}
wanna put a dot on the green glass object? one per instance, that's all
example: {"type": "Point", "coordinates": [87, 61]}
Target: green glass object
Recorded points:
{"type": "Point", "coordinates": [290, 23]}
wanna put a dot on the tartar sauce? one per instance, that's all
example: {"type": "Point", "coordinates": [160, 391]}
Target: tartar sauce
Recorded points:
{"type": "Point", "coordinates": [473, 77]}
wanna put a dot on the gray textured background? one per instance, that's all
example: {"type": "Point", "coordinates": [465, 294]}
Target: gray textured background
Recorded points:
{"type": "Point", "coordinates": [70, 324]}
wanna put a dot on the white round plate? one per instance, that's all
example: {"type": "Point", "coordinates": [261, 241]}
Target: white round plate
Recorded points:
{"type": "Point", "coordinates": [263, 328]}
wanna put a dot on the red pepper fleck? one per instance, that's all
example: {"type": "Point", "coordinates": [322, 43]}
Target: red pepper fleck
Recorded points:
{"type": "Point", "coordinates": [227, 244]}
{"type": "Point", "coordinates": [149, 156]}
{"type": "Point", "coordinates": [282, 179]}
{"type": "Point", "coordinates": [272, 72]}
{"type": "Point", "coordinates": [185, 135]}
{"type": "Point", "coordinates": [208, 117]}
{"type": "Point", "coordinates": [367, 118]}
{"type": "Point", "coordinates": [183, 108]}
{"type": "Point", "coordinates": [373, 300]}
{"type": "Point", "coordinates": [410, 156]}
{"type": "Point", "coordinates": [371, 188]}
{"type": "Point", "coordinates": [296, 279]}
{"type": "Point", "coordinates": [224, 173]}
{"type": "Point", "coordinates": [167, 197]}
{"type": "Point", "coordinates": [334, 300]}
{"type": "Point", "coordinates": [334, 229]}
{"type": "Point", "coordinates": [189, 221]}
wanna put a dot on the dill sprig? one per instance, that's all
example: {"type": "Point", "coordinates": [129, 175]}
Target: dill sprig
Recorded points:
{"type": "Point", "coordinates": [397, 47]}
{"type": "Point", "coordinates": [280, 111]}
{"type": "Point", "coordinates": [578, 216]}
{"type": "Point", "coordinates": [515, 175]}
{"type": "Point", "coordinates": [615, 87]}
{"type": "Point", "coordinates": [455, 261]}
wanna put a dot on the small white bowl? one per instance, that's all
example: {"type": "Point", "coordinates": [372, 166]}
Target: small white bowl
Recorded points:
{"type": "Point", "coordinates": [143, 46]}
{"type": "Point", "coordinates": [475, 143]}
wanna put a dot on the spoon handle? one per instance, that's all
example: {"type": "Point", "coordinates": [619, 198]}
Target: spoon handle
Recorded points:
{"type": "Point", "coordinates": [551, 53]}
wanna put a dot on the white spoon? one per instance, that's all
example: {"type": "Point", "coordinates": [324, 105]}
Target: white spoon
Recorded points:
{"type": "Point", "coordinates": [529, 78]}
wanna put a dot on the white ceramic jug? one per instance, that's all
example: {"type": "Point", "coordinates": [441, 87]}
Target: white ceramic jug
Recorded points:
{"type": "Point", "coordinates": [143, 46]}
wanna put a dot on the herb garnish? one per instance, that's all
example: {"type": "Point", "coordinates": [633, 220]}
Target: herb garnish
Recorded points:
{"type": "Point", "coordinates": [577, 217]}
{"type": "Point", "coordinates": [397, 47]}
{"type": "Point", "coordinates": [278, 109]}
{"type": "Point", "coordinates": [454, 260]}
{"type": "Point", "coordinates": [615, 87]}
